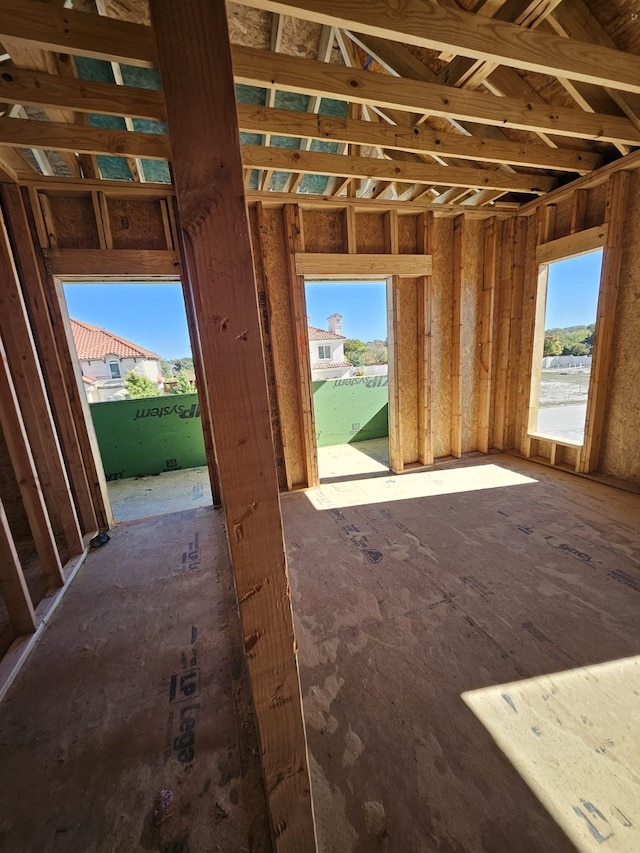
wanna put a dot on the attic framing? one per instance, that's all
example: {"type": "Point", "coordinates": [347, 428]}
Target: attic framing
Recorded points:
{"type": "Point", "coordinates": [432, 161]}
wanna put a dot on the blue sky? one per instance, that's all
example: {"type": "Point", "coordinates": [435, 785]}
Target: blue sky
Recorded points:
{"type": "Point", "coordinates": [572, 294]}
{"type": "Point", "coordinates": [151, 315]}
{"type": "Point", "coordinates": [363, 306]}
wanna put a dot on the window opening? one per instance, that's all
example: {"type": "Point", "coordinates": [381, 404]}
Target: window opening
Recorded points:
{"type": "Point", "coordinates": [570, 290]}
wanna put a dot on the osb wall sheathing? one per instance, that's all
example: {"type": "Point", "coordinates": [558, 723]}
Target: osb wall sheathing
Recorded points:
{"type": "Point", "coordinates": [441, 334]}
{"type": "Point", "coordinates": [72, 223]}
{"type": "Point", "coordinates": [621, 440]}
{"type": "Point", "coordinates": [324, 231]}
{"type": "Point", "coordinates": [471, 298]}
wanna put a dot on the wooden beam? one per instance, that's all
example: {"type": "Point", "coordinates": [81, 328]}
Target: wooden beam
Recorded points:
{"type": "Point", "coordinates": [502, 334]}
{"type": "Point", "coordinates": [333, 202]}
{"type": "Point", "coordinates": [573, 244]}
{"type": "Point", "coordinates": [305, 76]}
{"type": "Point", "coordinates": [95, 264]}
{"type": "Point", "coordinates": [318, 163]}
{"type": "Point", "coordinates": [616, 218]}
{"type": "Point", "coordinates": [21, 133]}
{"type": "Point", "coordinates": [456, 337]}
{"type": "Point", "coordinates": [396, 367]}
{"type": "Point", "coordinates": [427, 24]}
{"type": "Point", "coordinates": [200, 99]}
{"type": "Point", "coordinates": [416, 139]}
{"type": "Point", "coordinates": [55, 28]}
{"type": "Point", "coordinates": [273, 363]}
{"type": "Point", "coordinates": [25, 471]}
{"type": "Point", "coordinates": [489, 270]}
{"type": "Point", "coordinates": [40, 316]}
{"type": "Point", "coordinates": [35, 88]}
{"type": "Point", "coordinates": [425, 427]}
{"type": "Point", "coordinates": [600, 176]}
{"type": "Point", "coordinates": [13, 587]}
{"type": "Point", "coordinates": [295, 245]}
{"type": "Point", "coordinates": [334, 265]}
{"type": "Point", "coordinates": [536, 284]}
{"type": "Point", "coordinates": [19, 347]}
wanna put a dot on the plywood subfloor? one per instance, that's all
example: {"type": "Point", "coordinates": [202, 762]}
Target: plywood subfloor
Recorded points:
{"type": "Point", "coordinates": [136, 686]}
{"type": "Point", "coordinates": [172, 491]}
{"type": "Point", "coordinates": [354, 460]}
{"type": "Point", "coordinates": [412, 596]}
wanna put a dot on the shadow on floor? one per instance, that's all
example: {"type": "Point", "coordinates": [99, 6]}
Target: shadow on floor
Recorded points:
{"type": "Point", "coordinates": [341, 462]}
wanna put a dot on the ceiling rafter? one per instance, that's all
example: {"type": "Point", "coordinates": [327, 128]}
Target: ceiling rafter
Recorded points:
{"type": "Point", "coordinates": [426, 23]}
{"type": "Point", "coordinates": [313, 162]}
{"type": "Point", "coordinates": [257, 67]}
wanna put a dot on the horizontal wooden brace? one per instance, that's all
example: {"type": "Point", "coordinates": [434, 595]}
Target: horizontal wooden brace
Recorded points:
{"type": "Point", "coordinates": [334, 264]}
{"type": "Point", "coordinates": [429, 24]}
{"type": "Point", "coordinates": [53, 27]}
{"type": "Point", "coordinates": [419, 140]}
{"type": "Point", "coordinates": [34, 88]}
{"type": "Point", "coordinates": [574, 244]}
{"type": "Point", "coordinates": [307, 201]}
{"type": "Point", "coordinates": [82, 139]}
{"type": "Point", "coordinates": [317, 163]}
{"type": "Point", "coordinates": [94, 264]}
{"type": "Point", "coordinates": [308, 77]}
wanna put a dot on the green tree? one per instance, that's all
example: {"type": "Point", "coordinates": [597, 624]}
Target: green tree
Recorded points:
{"type": "Point", "coordinates": [552, 345]}
{"type": "Point", "coordinates": [376, 353]}
{"type": "Point", "coordinates": [354, 351]}
{"type": "Point", "coordinates": [139, 386]}
{"type": "Point", "coordinates": [182, 386]}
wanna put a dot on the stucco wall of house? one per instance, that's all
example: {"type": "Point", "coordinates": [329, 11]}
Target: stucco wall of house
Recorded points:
{"type": "Point", "coordinates": [99, 369]}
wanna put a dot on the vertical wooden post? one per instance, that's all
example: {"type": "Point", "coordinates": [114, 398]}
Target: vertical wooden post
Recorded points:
{"type": "Point", "coordinates": [195, 65]}
{"type": "Point", "coordinates": [615, 217]}
{"type": "Point", "coordinates": [486, 334]}
{"type": "Point", "coordinates": [192, 310]}
{"type": "Point", "coordinates": [425, 430]}
{"type": "Point", "coordinates": [27, 476]}
{"type": "Point", "coordinates": [295, 244]}
{"type": "Point", "coordinates": [35, 298]}
{"type": "Point", "coordinates": [456, 337]}
{"type": "Point", "coordinates": [272, 361]}
{"type": "Point", "coordinates": [34, 403]}
{"type": "Point", "coordinates": [396, 372]}
{"type": "Point", "coordinates": [502, 334]}
{"type": "Point", "coordinates": [537, 282]}
{"type": "Point", "coordinates": [514, 400]}
{"type": "Point", "coordinates": [76, 395]}
{"type": "Point", "coordinates": [12, 583]}
{"type": "Point", "coordinates": [579, 210]}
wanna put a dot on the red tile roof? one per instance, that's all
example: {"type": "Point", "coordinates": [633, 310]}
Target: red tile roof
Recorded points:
{"type": "Point", "coordinates": [94, 342]}
{"type": "Point", "coordinates": [325, 365]}
{"type": "Point", "coordinates": [323, 335]}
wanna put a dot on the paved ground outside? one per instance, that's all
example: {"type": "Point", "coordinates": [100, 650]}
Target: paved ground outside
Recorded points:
{"type": "Point", "coordinates": [563, 421]}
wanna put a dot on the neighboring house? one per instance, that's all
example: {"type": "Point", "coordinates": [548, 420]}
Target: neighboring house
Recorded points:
{"type": "Point", "coordinates": [105, 359]}
{"type": "Point", "coordinates": [326, 349]}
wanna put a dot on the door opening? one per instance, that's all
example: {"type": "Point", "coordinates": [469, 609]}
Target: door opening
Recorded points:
{"type": "Point", "coordinates": [347, 323]}
{"type": "Point", "coordinates": [131, 343]}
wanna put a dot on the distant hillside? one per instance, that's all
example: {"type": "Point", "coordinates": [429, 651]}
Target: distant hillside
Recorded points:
{"type": "Point", "coordinates": [570, 340]}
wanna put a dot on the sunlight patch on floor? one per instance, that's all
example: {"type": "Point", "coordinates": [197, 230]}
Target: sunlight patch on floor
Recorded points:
{"type": "Point", "coordinates": [410, 486]}
{"type": "Point", "coordinates": [362, 457]}
{"type": "Point", "coordinates": [172, 491]}
{"type": "Point", "coordinates": [573, 737]}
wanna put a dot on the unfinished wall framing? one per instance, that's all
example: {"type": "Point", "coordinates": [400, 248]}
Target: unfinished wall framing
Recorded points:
{"type": "Point", "coordinates": [581, 220]}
